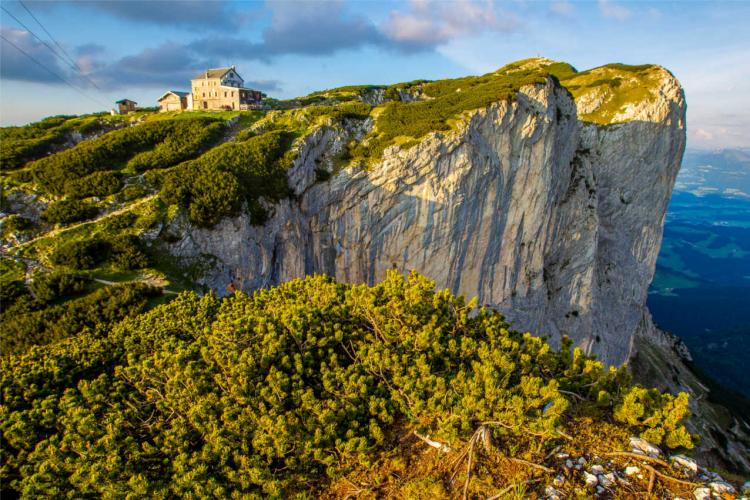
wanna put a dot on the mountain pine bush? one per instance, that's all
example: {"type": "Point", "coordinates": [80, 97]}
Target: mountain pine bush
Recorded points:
{"type": "Point", "coordinates": [277, 392]}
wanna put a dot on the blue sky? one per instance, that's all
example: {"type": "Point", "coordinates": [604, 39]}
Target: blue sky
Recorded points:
{"type": "Point", "coordinates": [138, 49]}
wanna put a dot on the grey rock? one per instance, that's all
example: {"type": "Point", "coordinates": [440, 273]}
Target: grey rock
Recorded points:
{"type": "Point", "coordinates": [552, 494]}
{"type": "Point", "coordinates": [524, 206]}
{"type": "Point", "coordinates": [702, 494]}
{"type": "Point", "coordinates": [686, 463]}
{"type": "Point", "coordinates": [632, 470]}
{"type": "Point", "coordinates": [597, 469]}
{"type": "Point", "coordinates": [643, 446]}
{"type": "Point", "coordinates": [591, 480]}
{"type": "Point", "coordinates": [721, 487]}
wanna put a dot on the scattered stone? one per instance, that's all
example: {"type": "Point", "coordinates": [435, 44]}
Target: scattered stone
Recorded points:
{"type": "Point", "coordinates": [562, 456]}
{"type": "Point", "coordinates": [558, 481]}
{"type": "Point", "coordinates": [722, 487]}
{"type": "Point", "coordinates": [568, 464]}
{"type": "Point", "coordinates": [597, 469]}
{"type": "Point", "coordinates": [714, 476]}
{"type": "Point", "coordinates": [591, 480]}
{"type": "Point", "coordinates": [702, 494]}
{"type": "Point", "coordinates": [582, 461]}
{"type": "Point", "coordinates": [631, 470]}
{"type": "Point", "coordinates": [686, 463]}
{"type": "Point", "coordinates": [640, 444]}
{"type": "Point", "coordinates": [607, 480]}
{"type": "Point", "coordinates": [552, 494]}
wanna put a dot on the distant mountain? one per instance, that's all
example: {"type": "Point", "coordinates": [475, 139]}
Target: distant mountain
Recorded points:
{"type": "Point", "coordinates": [701, 289]}
{"type": "Point", "coordinates": [724, 172]}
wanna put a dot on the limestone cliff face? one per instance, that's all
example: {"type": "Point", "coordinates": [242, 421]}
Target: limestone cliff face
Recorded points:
{"type": "Point", "coordinates": [551, 219]}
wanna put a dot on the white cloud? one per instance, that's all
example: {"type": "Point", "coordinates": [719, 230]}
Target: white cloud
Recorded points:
{"type": "Point", "coordinates": [612, 10]}
{"type": "Point", "coordinates": [429, 23]}
{"type": "Point", "coordinates": [562, 8]}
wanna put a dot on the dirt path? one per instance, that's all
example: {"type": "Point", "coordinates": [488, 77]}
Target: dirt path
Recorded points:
{"type": "Point", "coordinates": [148, 280]}
{"type": "Point", "coordinates": [61, 230]}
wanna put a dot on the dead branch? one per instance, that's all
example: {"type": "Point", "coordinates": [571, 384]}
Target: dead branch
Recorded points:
{"type": "Point", "coordinates": [645, 458]}
{"type": "Point", "coordinates": [651, 477]}
{"type": "Point", "coordinates": [563, 435]}
{"type": "Point", "coordinates": [435, 444]}
{"type": "Point", "coordinates": [571, 393]}
{"type": "Point", "coordinates": [670, 478]}
{"type": "Point", "coordinates": [468, 469]}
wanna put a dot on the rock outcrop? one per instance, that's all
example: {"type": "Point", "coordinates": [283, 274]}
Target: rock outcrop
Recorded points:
{"type": "Point", "coordinates": [553, 220]}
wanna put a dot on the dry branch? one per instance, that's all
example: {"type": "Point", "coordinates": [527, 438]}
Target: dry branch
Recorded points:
{"type": "Point", "coordinates": [435, 444]}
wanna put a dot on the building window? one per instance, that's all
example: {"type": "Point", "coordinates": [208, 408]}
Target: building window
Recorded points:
{"type": "Point", "coordinates": [204, 94]}
{"type": "Point", "coordinates": [225, 93]}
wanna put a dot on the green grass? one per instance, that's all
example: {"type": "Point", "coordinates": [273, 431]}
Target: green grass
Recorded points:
{"type": "Point", "coordinates": [406, 123]}
{"type": "Point", "coordinates": [618, 85]}
{"type": "Point", "coordinates": [10, 270]}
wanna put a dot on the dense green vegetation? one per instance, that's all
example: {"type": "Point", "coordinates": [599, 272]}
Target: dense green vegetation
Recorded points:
{"type": "Point", "coordinates": [54, 313]}
{"type": "Point", "coordinates": [19, 145]}
{"type": "Point", "coordinates": [125, 251]}
{"type": "Point", "coordinates": [157, 144]}
{"type": "Point", "coordinates": [100, 184]}
{"type": "Point", "coordinates": [616, 86]}
{"type": "Point", "coordinates": [221, 181]}
{"type": "Point", "coordinates": [403, 123]}
{"type": "Point", "coordinates": [67, 211]}
{"type": "Point", "coordinates": [274, 393]}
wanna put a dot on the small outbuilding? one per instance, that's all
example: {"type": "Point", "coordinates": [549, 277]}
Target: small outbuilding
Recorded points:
{"type": "Point", "coordinates": [174, 100]}
{"type": "Point", "coordinates": [125, 106]}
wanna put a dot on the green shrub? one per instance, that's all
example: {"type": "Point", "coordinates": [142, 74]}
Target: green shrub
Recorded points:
{"type": "Point", "coordinates": [167, 141]}
{"type": "Point", "coordinates": [217, 184]}
{"type": "Point", "coordinates": [270, 394]}
{"type": "Point", "coordinates": [44, 324]}
{"type": "Point", "coordinates": [15, 224]}
{"type": "Point", "coordinates": [67, 211]}
{"type": "Point", "coordinates": [84, 254]}
{"type": "Point", "coordinates": [188, 143]}
{"type": "Point", "coordinates": [99, 184]}
{"type": "Point", "coordinates": [49, 287]}
{"type": "Point", "coordinates": [448, 100]}
{"type": "Point", "coordinates": [19, 145]}
{"type": "Point", "coordinates": [125, 252]}
{"type": "Point", "coordinates": [11, 291]}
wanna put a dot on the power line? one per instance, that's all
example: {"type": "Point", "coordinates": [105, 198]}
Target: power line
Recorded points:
{"type": "Point", "coordinates": [56, 54]}
{"type": "Point", "coordinates": [50, 36]}
{"type": "Point", "coordinates": [35, 60]}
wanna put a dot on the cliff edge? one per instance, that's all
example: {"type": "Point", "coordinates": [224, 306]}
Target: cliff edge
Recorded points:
{"type": "Point", "coordinates": [548, 206]}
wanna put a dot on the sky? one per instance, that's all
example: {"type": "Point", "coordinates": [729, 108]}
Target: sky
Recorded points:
{"type": "Point", "coordinates": [107, 50]}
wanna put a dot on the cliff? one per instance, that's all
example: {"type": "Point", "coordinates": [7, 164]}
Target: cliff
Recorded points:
{"type": "Point", "coordinates": [538, 189]}
{"type": "Point", "coordinates": [548, 206]}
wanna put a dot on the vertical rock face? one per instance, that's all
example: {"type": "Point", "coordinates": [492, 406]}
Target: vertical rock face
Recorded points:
{"type": "Point", "coordinates": [552, 219]}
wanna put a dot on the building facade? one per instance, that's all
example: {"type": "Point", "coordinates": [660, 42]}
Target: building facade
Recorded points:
{"type": "Point", "coordinates": [174, 100]}
{"type": "Point", "coordinates": [125, 106]}
{"type": "Point", "coordinates": [222, 89]}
